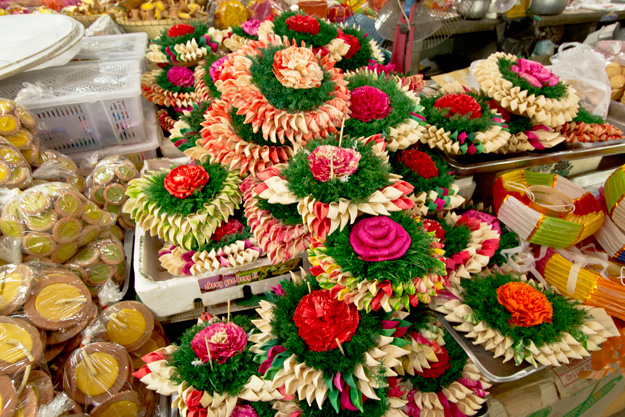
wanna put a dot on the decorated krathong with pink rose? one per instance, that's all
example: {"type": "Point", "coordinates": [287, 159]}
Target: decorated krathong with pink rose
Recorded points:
{"type": "Point", "coordinates": [380, 263]}
{"type": "Point", "coordinates": [210, 370]}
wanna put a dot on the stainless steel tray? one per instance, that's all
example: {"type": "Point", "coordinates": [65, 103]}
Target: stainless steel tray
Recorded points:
{"type": "Point", "coordinates": [487, 163]}
{"type": "Point", "coordinates": [492, 368]}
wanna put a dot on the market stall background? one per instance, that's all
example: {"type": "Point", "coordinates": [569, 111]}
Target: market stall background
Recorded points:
{"type": "Point", "coordinates": [315, 231]}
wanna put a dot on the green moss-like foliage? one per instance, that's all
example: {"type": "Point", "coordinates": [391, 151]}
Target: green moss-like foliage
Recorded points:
{"type": "Point", "coordinates": [263, 409]}
{"type": "Point", "coordinates": [327, 32]}
{"type": "Point", "coordinates": [245, 130]}
{"type": "Point", "coordinates": [227, 240]}
{"type": "Point", "coordinates": [288, 99]}
{"type": "Point", "coordinates": [163, 82]}
{"type": "Point", "coordinates": [420, 317]}
{"type": "Point", "coordinates": [287, 214]}
{"type": "Point", "coordinates": [444, 179]}
{"type": "Point", "coordinates": [518, 124]}
{"type": "Point", "coordinates": [194, 118]}
{"type": "Point", "coordinates": [508, 240]}
{"type": "Point", "coordinates": [331, 361]}
{"type": "Point", "coordinates": [416, 262]}
{"type": "Point", "coordinates": [457, 360]}
{"type": "Point", "coordinates": [556, 92]}
{"type": "Point", "coordinates": [584, 116]}
{"type": "Point", "coordinates": [360, 58]}
{"type": "Point", "coordinates": [457, 123]}
{"type": "Point", "coordinates": [208, 61]}
{"type": "Point", "coordinates": [456, 238]}
{"type": "Point", "coordinates": [371, 408]}
{"type": "Point", "coordinates": [171, 205]}
{"type": "Point", "coordinates": [238, 30]}
{"type": "Point", "coordinates": [228, 377]}
{"type": "Point", "coordinates": [164, 40]}
{"type": "Point", "coordinates": [402, 105]}
{"type": "Point", "coordinates": [481, 296]}
{"type": "Point", "coordinates": [371, 175]}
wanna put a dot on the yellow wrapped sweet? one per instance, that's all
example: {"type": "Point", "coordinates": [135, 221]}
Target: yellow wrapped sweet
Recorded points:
{"type": "Point", "coordinates": [230, 13]}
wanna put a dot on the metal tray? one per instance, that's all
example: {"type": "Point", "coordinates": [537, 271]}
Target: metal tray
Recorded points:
{"type": "Point", "coordinates": [488, 163]}
{"type": "Point", "coordinates": [492, 368]}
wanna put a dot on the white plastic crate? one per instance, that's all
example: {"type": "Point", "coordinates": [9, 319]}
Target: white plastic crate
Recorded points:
{"type": "Point", "coordinates": [113, 47]}
{"type": "Point", "coordinates": [136, 152]}
{"type": "Point", "coordinates": [167, 295]}
{"type": "Point", "coordinates": [84, 106]}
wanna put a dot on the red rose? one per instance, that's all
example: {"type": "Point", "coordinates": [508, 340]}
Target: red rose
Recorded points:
{"type": "Point", "coordinates": [321, 319]}
{"type": "Point", "coordinates": [183, 181]}
{"type": "Point", "coordinates": [231, 227]}
{"type": "Point", "coordinates": [303, 24]}
{"type": "Point", "coordinates": [462, 104]}
{"type": "Point", "coordinates": [352, 41]}
{"type": "Point", "coordinates": [437, 368]}
{"type": "Point", "coordinates": [180, 30]}
{"type": "Point", "coordinates": [419, 162]}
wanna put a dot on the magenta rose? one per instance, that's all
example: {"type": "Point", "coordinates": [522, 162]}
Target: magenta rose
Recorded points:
{"type": "Point", "coordinates": [181, 76]}
{"type": "Point", "coordinates": [251, 27]}
{"type": "Point", "coordinates": [224, 340]}
{"type": "Point", "coordinates": [369, 103]}
{"type": "Point", "coordinates": [327, 162]}
{"type": "Point", "coordinates": [244, 411]}
{"type": "Point", "coordinates": [215, 69]}
{"type": "Point", "coordinates": [534, 73]}
{"type": "Point", "coordinates": [379, 239]}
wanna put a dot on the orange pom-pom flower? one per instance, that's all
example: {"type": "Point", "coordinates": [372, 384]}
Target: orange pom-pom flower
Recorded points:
{"type": "Point", "coordinates": [528, 306]}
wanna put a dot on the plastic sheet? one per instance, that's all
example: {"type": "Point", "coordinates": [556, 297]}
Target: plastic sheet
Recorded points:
{"type": "Point", "coordinates": [54, 166]}
{"type": "Point", "coordinates": [53, 221]}
{"type": "Point", "coordinates": [106, 186]}
{"type": "Point", "coordinates": [19, 128]}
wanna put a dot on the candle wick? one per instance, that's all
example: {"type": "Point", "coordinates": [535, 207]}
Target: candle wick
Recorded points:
{"type": "Point", "coordinates": [114, 319]}
{"type": "Point", "coordinates": [309, 289]}
{"type": "Point", "coordinates": [21, 347]}
{"type": "Point", "coordinates": [70, 300]}
{"type": "Point", "coordinates": [208, 349]}
{"type": "Point", "coordinates": [339, 345]}
{"type": "Point", "coordinates": [92, 369]}
{"type": "Point", "coordinates": [24, 380]}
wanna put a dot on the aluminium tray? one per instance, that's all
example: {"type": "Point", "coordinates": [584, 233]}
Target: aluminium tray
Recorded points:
{"type": "Point", "coordinates": [492, 368]}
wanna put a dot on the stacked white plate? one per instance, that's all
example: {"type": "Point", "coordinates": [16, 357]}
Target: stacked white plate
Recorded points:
{"type": "Point", "coordinates": [37, 41]}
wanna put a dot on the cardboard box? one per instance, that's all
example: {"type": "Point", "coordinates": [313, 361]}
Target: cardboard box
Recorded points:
{"type": "Point", "coordinates": [556, 392]}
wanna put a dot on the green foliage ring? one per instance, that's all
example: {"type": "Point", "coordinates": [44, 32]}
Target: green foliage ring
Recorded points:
{"type": "Point", "coordinates": [458, 123]}
{"type": "Point", "coordinates": [360, 58]}
{"type": "Point", "coordinates": [480, 293]}
{"type": "Point", "coordinates": [163, 82]}
{"type": "Point", "coordinates": [329, 362]}
{"type": "Point", "coordinates": [229, 377]}
{"type": "Point", "coordinates": [169, 204]}
{"type": "Point", "coordinates": [584, 116]}
{"type": "Point", "coordinates": [556, 92]}
{"type": "Point", "coordinates": [421, 184]}
{"type": "Point", "coordinates": [286, 213]}
{"type": "Point", "coordinates": [208, 61]}
{"type": "Point", "coordinates": [401, 104]}
{"type": "Point", "coordinates": [371, 175]}
{"type": "Point", "coordinates": [416, 262]}
{"type": "Point", "coordinates": [238, 30]}
{"type": "Point", "coordinates": [288, 99]}
{"type": "Point", "coordinates": [519, 124]}
{"type": "Point", "coordinates": [457, 238]}
{"type": "Point", "coordinates": [327, 32]}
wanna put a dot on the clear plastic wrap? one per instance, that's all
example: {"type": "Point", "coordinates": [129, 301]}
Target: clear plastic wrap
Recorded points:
{"type": "Point", "coordinates": [97, 373]}
{"type": "Point", "coordinates": [128, 323]}
{"type": "Point", "coordinates": [16, 282]}
{"type": "Point", "coordinates": [100, 261]}
{"type": "Point", "coordinates": [54, 166]}
{"type": "Point", "coordinates": [14, 169]}
{"type": "Point", "coordinates": [19, 127]}
{"type": "Point", "coordinates": [106, 186]}
{"type": "Point", "coordinates": [53, 221]}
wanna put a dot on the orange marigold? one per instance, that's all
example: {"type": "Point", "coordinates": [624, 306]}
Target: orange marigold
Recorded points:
{"type": "Point", "coordinates": [528, 306]}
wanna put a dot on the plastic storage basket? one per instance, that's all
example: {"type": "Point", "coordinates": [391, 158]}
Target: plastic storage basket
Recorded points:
{"type": "Point", "coordinates": [85, 106]}
{"type": "Point", "coordinates": [113, 47]}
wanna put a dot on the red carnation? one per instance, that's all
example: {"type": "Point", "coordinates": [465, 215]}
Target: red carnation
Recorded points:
{"type": "Point", "coordinates": [303, 24]}
{"type": "Point", "coordinates": [180, 30]}
{"type": "Point", "coordinates": [321, 319]}
{"type": "Point", "coordinates": [231, 227]}
{"type": "Point", "coordinates": [437, 368]}
{"type": "Point", "coordinates": [461, 104]}
{"type": "Point", "coordinates": [433, 226]}
{"type": "Point", "coordinates": [183, 181]}
{"type": "Point", "coordinates": [419, 162]}
{"type": "Point", "coordinates": [352, 41]}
